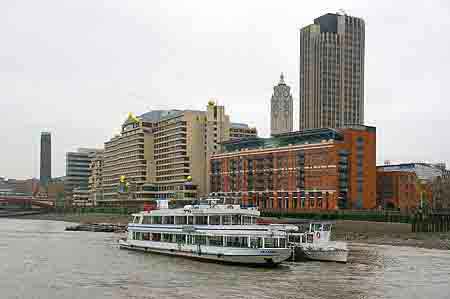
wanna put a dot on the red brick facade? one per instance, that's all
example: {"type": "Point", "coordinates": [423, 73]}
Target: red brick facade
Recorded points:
{"type": "Point", "coordinates": [311, 174]}
{"type": "Point", "coordinates": [401, 190]}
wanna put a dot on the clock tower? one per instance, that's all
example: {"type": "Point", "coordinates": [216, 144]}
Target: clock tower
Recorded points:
{"type": "Point", "coordinates": [281, 108]}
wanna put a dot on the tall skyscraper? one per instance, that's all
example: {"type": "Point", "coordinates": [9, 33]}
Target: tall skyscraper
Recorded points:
{"type": "Point", "coordinates": [46, 158]}
{"type": "Point", "coordinates": [281, 108]}
{"type": "Point", "coordinates": [332, 72]}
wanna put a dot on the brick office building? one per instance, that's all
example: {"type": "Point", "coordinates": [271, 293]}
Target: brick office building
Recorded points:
{"type": "Point", "coordinates": [316, 169]}
{"type": "Point", "coordinates": [397, 190]}
{"type": "Point", "coordinates": [407, 186]}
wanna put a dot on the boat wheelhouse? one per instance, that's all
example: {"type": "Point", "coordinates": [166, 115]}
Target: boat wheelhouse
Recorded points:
{"type": "Point", "coordinates": [212, 232]}
{"type": "Point", "coordinates": [314, 242]}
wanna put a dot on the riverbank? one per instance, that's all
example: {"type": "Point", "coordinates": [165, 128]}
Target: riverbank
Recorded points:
{"type": "Point", "coordinates": [380, 233]}
{"type": "Point", "coordinates": [386, 233]}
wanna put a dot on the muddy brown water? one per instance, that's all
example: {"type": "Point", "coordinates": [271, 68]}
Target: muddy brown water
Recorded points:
{"type": "Point", "coordinates": [38, 259]}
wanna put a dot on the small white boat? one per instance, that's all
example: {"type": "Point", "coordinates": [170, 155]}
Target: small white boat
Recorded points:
{"type": "Point", "coordinates": [315, 243]}
{"type": "Point", "coordinates": [211, 232]}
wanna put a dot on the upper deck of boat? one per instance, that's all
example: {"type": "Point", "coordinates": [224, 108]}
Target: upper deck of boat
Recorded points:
{"type": "Point", "coordinates": [202, 210]}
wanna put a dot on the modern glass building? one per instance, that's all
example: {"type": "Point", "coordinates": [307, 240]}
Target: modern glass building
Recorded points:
{"type": "Point", "coordinates": [77, 170]}
{"type": "Point", "coordinates": [332, 72]}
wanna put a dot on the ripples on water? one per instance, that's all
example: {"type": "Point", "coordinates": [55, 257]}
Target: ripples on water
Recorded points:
{"type": "Point", "coordinates": [38, 259]}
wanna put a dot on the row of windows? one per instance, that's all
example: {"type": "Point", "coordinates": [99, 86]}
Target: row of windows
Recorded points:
{"type": "Point", "coordinates": [170, 124]}
{"type": "Point", "coordinates": [173, 165]}
{"type": "Point", "coordinates": [225, 241]}
{"type": "Point", "coordinates": [171, 172]}
{"type": "Point", "coordinates": [176, 148]}
{"type": "Point", "coordinates": [172, 178]}
{"type": "Point", "coordinates": [197, 220]}
{"type": "Point", "coordinates": [175, 141]}
{"type": "Point", "coordinates": [166, 135]}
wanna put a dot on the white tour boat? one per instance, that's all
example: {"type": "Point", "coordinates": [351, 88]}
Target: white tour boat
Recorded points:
{"type": "Point", "coordinates": [210, 232]}
{"type": "Point", "coordinates": [315, 243]}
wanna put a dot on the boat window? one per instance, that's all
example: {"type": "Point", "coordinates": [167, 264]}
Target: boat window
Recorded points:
{"type": "Point", "coordinates": [255, 242]}
{"type": "Point", "coordinates": [157, 220]}
{"type": "Point", "coordinates": [156, 237]}
{"type": "Point", "coordinates": [214, 220]}
{"type": "Point", "coordinates": [167, 238]}
{"type": "Point", "coordinates": [226, 219]}
{"type": "Point", "coordinates": [303, 239]}
{"type": "Point", "coordinates": [327, 227]}
{"type": "Point", "coordinates": [236, 219]}
{"type": "Point", "coordinates": [282, 243]}
{"type": "Point", "coordinates": [317, 227]}
{"type": "Point", "coordinates": [147, 220]}
{"type": "Point", "coordinates": [215, 240]}
{"type": "Point", "coordinates": [269, 243]}
{"type": "Point", "coordinates": [168, 219]}
{"type": "Point", "coordinates": [200, 240]}
{"type": "Point", "coordinates": [294, 238]}
{"type": "Point", "coordinates": [237, 241]}
{"type": "Point", "coordinates": [310, 238]}
{"type": "Point", "coordinates": [180, 220]}
{"type": "Point", "coordinates": [201, 220]}
{"type": "Point", "coordinates": [146, 236]}
{"type": "Point", "coordinates": [180, 238]}
{"type": "Point", "coordinates": [190, 239]}
{"type": "Point", "coordinates": [137, 236]}
{"type": "Point", "coordinates": [190, 220]}
{"type": "Point", "coordinates": [246, 220]}
{"type": "Point", "coordinates": [253, 220]}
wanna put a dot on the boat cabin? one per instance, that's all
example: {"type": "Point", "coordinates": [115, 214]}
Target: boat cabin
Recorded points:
{"type": "Point", "coordinates": [312, 232]}
{"type": "Point", "coordinates": [199, 215]}
{"type": "Point", "coordinates": [182, 238]}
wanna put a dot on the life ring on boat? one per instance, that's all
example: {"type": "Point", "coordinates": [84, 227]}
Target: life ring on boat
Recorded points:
{"type": "Point", "coordinates": [318, 235]}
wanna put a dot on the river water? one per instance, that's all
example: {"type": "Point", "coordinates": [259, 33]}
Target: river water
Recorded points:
{"type": "Point", "coordinates": [38, 259]}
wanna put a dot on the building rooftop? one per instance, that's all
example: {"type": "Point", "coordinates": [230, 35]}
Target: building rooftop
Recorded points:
{"type": "Point", "coordinates": [424, 171]}
{"type": "Point", "coordinates": [239, 125]}
{"type": "Point", "coordinates": [407, 165]}
{"type": "Point", "coordinates": [285, 139]}
{"type": "Point", "coordinates": [292, 138]}
{"type": "Point", "coordinates": [156, 115]}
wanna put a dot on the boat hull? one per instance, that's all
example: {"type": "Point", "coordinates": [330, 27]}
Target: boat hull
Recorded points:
{"type": "Point", "coordinates": [340, 256]}
{"type": "Point", "coordinates": [243, 256]}
{"type": "Point", "coordinates": [330, 251]}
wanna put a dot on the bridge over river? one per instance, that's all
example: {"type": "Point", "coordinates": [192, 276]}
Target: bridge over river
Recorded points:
{"type": "Point", "coordinates": [12, 204]}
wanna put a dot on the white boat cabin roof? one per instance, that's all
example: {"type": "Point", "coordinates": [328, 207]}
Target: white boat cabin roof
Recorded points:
{"type": "Point", "coordinates": [202, 210]}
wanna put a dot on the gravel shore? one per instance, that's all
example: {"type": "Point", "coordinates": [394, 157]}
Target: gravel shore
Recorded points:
{"type": "Point", "coordinates": [381, 233]}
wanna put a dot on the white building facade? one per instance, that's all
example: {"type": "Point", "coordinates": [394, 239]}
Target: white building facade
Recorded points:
{"type": "Point", "coordinates": [281, 109]}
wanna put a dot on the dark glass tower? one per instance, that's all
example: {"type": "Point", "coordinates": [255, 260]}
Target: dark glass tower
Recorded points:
{"type": "Point", "coordinates": [46, 158]}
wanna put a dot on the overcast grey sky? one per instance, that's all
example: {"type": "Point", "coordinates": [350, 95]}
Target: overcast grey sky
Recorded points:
{"type": "Point", "coordinates": [76, 68]}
